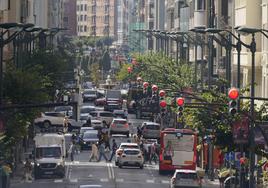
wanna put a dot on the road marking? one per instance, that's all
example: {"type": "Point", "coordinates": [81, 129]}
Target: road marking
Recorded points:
{"type": "Point", "coordinates": [165, 181]}
{"type": "Point", "coordinates": [149, 181]}
{"type": "Point", "coordinates": [104, 180]}
{"type": "Point", "coordinates": [58, 181]}
{"type": "Point", "coordinates": [90, 175]}
{"type": "Point", "coordinates": [119, 180]}
{"type": "Point", "coordinates": [109, 172]}
{"type": "Point", "coordinates": [112, 171]}
{"type": "Point", "coordinates": [73, 180]}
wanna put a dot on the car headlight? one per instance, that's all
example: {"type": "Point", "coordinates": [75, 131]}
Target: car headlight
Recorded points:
{"type": "Point", "coordinates": [59, 164]}
{"type": "Point", "coordinates": [84, 142]}
{"type": "Point", "coordinates": [37, 164]}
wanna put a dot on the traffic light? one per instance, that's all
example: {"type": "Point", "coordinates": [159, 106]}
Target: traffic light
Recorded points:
{"type": "Point", "coordinates": [180, 103]}
{"type": "Point", "coordinates": [233, 95]}
{"type": "Point", "coordinates": [163, 107]}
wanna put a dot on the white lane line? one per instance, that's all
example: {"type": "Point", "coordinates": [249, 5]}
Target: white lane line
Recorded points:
{"type": "Point", "coordinates": [119, 180]}
{"type": "Point", "coordinates": [149, 181]}
{"type": "Point", "coordinates": [112, 171]}
{"type": "Point", "coordinates": [73, 180]}
{"type": "Point", "coordinates": [109, 172]}
{"type": "Point", "coordinates": [58, 181]}
{"type": "Point", "coordinates": [90, 175]}
{"type": "Point", "coordinates": [70, 173]}
{"type": "Point", "coordinates": [104, 180]}
{"type": "Point", "coordinates": [165, 181]}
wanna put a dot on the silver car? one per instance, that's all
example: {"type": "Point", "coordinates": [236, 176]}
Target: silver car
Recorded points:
{"type": "Point", "coordinates": [150, 130]}
{"type": "Point", "coordinates": [119, 126]}
{"type": "Point", "coordinates": [185, 178]}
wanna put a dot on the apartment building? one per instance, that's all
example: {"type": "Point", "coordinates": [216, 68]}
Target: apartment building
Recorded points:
{"type": "Point", "coordinates": [122, 21]}
{"type": "Point", "coordinates": [70, 18]}
{"type": "Point", "coordinates": [96, 18]}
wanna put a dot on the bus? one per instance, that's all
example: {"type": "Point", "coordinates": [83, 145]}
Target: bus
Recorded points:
{"type": "Point", "coordinates": [177, 150]}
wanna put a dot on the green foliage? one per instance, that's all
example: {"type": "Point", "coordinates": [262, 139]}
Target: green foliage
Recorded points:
{"type": "Point", "coordinates": [106, 61]}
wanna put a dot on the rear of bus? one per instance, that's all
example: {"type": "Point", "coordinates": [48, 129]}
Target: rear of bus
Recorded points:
{"type": "Point", "coordinates": [177, 150]}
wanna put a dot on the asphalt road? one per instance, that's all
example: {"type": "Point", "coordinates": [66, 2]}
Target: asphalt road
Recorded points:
{"type": "Point", "coordinates": [106, 175]}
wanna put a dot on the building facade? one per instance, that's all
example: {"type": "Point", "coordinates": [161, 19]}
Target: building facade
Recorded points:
{"type": "Point", "coordinates": [70, 18]}
{"type": "Point", "coordinates": [97, 18]}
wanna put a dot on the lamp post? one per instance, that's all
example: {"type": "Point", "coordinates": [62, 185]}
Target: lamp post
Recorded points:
{"type": "Point", "coordinates": [3, 41]}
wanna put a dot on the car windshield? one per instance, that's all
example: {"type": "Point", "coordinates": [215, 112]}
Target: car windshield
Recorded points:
{"type": "Point", "coordinates": [120, 121]}
{"type": "Point", "coordinates": [84, 130]}
{"type": "Point", "coordinates": [131, 152]}
{"type": "Point", "coordinates": [89, 135]}
{"type": "Point", "coordinates": [83, 117]}
{"type": "Point", "coordinates": [153, 127]}
{"type": "Point", "coordinates": [186, 176]}
{"type": "Point", "coordinates": [106, 114]}
{"type": "Point", "coordinates": [48, 152]}
{"type": "Point", "coordinates": [63, 108]}
{"type": "Point", "coordinates": [87, 110]}
{"type": "Point", "coordinates": [129, 146]}
{"type": "Point", "coordinates": [89, 92]}
{"type": "Point", "coordinates": [54, 114]}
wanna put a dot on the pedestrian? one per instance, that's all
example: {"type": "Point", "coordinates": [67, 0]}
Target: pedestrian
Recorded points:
{"type": "Point", "coordinates": [125, 113]}
{"type": "Point", "coordinates": [114, 148]}
{"type": "Point", "coordinates": [139, 132]}
{"type": "Point", "coordinates": [71, 151]}
{"type": "Point", "coordinates": [94, 152]}
{"type": "Point", "coordinates": [106, 141]}
{"type": "Point", "coordinates": [153, 153]}
{"type": "Point", "coordinates": [28, 171]}
{"type": "Point", "coordinates": [102, 152]}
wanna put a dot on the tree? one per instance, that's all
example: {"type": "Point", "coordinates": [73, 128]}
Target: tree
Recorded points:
{"type": "Point", "coordinates": [106, 61]}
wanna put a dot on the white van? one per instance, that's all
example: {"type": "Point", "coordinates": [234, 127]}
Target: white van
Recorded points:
{"type": "Point", "coordinates": [105, 117]}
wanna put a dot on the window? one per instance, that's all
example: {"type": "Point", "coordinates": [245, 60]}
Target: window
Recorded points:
{"type": "Point", "coordinates": [77, 18]}
{"type": "Point", "coordinates": [81, 28]}
{"type": "Point", "coordinates": [85, 7]}
{"type": "Point", "coordinates": [85, 28]}
{"type": "Point", "coordinates": [85, 17]}
{"type": "Point", "coordinates": [106, 19]}
{"type": "Point", "coordinates": [81, 17]}
{"type": "Point", "coordinates": [81, 7]}
{"type": "Point", "coordinates": [77, 7]}
{"type": "Point", "coordinates": [78, 29]}
{"type": "Point", "coordinates": [200, 5]}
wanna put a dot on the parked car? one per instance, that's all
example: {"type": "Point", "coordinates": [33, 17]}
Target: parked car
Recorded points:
{"type": "Point", "coordinates": [185, 178]}
{"type": "Point", "coordinates": [104, 116]}
{"type": "Point", "coordinates": [120, 114]}
{"type": "Point", "coordinates": [150, 130]}
{"type": "Point", "coordinates": [67, 110]}
{"type": "Point", "coordinates": [89, 95]}
{"type": "Point", "coordinates": [100, 101]}
{"type": "Point", "coordinates": [123, 146]}
{"type": "Point", "coordinates": [131, 157]}
{"type": "Point", "coordinates": [119, 126]}
{"type": "Point", "coordinates": [48, 119]}
{"type": "Point", "coordinates": [89, 137]}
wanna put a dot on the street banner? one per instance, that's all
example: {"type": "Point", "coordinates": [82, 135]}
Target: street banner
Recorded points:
{"type": "Point", "coordinates": [241, 131]}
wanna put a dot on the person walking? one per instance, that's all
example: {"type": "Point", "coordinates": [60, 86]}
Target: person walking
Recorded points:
{"type": "Point", "coordinates": [102, 152]}
{"type": "Point", "coordinates": [71, 151]}
{"type": "Point", "coordinates": [106, 141]}
{"type": "Point", "coordinates": [94, 152]}
{"type": "Point", "coordinates": [114, 148]}
{"type": "Point", "coordinates": [28, 171]}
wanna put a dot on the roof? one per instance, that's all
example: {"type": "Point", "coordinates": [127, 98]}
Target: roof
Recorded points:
{"type": "Point", "coordinates": [127, 143]}
{"type": "Point", "coordinates": [185, 171]}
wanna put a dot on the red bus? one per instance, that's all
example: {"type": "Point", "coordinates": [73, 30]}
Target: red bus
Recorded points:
{"type": "Point", "coordinates": [177, 150]}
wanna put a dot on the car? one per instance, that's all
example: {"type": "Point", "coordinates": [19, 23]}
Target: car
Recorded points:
{"type": "Point", "coordinates": [67, 110]}
{"type": "Point", "coordinates": [185, 178]}
{"type": "Point", "coordinates": [150, 130]}
{"type": "Point", "coordinates": [73, 124]}
{"type": "Point", "coordinates": [89, 137]}
{"type": "Point", "coordinates": [48, 119]}
{"type": "Point", "coordinates": [104, 116]}
{"type": "Point", "coordinates": [119, 126]}
{"type": "Point", "coordinates": [100, 101]}
{"type": "Point", "coordinates": [89, 95]}
{"type": "Point", "coordinates": [96, 124]}
{"type": "Point", "coordinates": [120, 114]}
{"type": "Point", "coordinates": [122, 146]}
{"type": "Point", "coordinates": [85, 110]}
{"type": "Point", "coordinates": [131, 157]}
{"type": "Point", "coordinates": [84, 119]}
{"type": "Point", "coordinates": [84, 129]}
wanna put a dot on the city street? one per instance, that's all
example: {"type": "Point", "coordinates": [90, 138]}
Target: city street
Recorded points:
{"type": "Point", "coordinates": [82, 172]}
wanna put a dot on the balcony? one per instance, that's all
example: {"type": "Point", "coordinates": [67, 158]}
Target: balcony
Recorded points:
{"type": "Point", "coordinates": [200, 18]}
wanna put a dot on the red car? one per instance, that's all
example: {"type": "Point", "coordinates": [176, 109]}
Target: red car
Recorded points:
{"type": "Point", "coordinates": [100, 101]}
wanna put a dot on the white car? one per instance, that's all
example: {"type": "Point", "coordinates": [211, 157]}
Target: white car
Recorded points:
{"type": "Point", "coordinates": [48, 119]}
{"type": "Point", "coordinates": [185, 178]}
{"type": "Point", "coordinates": [123, 146]}
{"type": "Point", "coordinates": [119, 126]}
{"type": "Point", "coordinates": [131, 157]}
{"type": "Point", "coordinates": [104, 116]}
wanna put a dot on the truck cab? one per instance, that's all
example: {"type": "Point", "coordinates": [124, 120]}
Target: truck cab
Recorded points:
{"type": "Point", "coordinates": [49, 155]}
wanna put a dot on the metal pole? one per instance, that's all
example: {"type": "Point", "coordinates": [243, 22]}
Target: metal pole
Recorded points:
{"type": "Point", "coordinates": [195, 64]}
{"type": "Point", "coordinates": [210, 60]}
{"type": "Point", "coordinates": [202, 66]}
{"type": "Point", "coordinates": [1, 67]}
{"type": "Point", "coordinates": [252, 95]}
{"type": "Point", "coordinates": [238, 49]}
{"type": "Point", "coordinates": [177, 51]}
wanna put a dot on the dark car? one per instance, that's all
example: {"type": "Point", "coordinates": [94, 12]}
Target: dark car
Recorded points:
{"type": "Point", "coordinates": [120, 114]}
{"type": "Point", "coordinates": [89, 137]}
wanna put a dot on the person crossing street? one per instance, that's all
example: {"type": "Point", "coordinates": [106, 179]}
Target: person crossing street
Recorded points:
{"type": "Point", "coordinates": [114, 148]}
{"type": "Point", "coordinates": [102, 152]}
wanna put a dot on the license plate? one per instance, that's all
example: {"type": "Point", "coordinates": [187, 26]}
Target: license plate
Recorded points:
{"type": "Point", "coordinates": [48, 173]}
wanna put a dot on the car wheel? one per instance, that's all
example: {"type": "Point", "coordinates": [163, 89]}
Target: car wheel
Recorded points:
{"type": "Point", "coordinates": [141, 166]}
{"type": "Point", "coordinates": [116, 163]}
{"type": "Point", "coordinates": [46, 124]}
{"type": "Point", "coordinates": [127, 135]}
{"type": "Point", "coordinates": [120, 165]}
